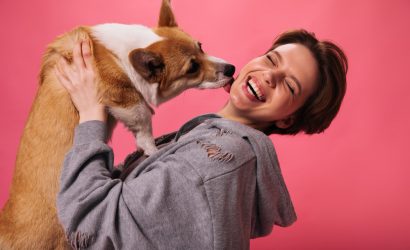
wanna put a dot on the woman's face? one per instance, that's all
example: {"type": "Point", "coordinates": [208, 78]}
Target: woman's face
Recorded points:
{"type": "Point", "coordinates": [272, 87]}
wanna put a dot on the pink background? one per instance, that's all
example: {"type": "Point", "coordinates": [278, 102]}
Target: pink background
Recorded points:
{"type": "Point", "coordinates": [350, 185]}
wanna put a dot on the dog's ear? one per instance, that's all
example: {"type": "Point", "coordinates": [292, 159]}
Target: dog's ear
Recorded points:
{"type": "Point", "coordinates": [148, 64]}
{"type": "Point", "coordinates": [166, 17]}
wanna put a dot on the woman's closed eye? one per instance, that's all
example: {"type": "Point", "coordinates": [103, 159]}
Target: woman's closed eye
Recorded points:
{"type": "Point", "coordinates": [271, 60]}
{"type": "Point", "coordinates": [292, 90]}
{"type": "Point", "coordinates": [274, 63]}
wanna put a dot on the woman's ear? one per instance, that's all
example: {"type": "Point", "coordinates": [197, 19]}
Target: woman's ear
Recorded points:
{"type": "Point", "coordinates": [285, 123]}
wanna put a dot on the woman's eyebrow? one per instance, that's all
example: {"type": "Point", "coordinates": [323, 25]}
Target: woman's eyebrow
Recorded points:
{"type": "Point", "coordinates": [280, 59]}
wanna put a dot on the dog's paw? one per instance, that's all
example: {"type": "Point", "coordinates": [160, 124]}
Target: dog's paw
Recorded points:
{"type": "Point", "coordinates": [147, 144]}
{"type": "Point", "coordinates": [150, 151]}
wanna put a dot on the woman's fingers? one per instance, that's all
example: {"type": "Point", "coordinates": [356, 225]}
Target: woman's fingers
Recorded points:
{"type": "Point", "coordinates": [80, 80]}
{"type": "Point", "coordinates": [87, 54]}
{"type": "Point", "coordinates": [77, 56]}
{"type": "Point", "coordinates": [70, 77]}
{"type": "Point", "coordinates": [61, 76]}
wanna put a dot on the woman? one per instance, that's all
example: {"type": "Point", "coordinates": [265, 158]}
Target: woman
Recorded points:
{"type": "Point", "coordinates": [216, 183]}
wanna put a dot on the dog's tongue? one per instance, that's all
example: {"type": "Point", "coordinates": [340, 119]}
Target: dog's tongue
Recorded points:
{"type": "Point", "coordinates": [228, 86]}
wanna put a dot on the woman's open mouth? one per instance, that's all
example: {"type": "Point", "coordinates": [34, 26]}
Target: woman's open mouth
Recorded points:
{"type": "Point", "coordinates": [252, 89]}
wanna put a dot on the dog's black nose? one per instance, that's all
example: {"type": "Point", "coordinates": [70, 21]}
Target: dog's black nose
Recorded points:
{"type": "Point", "coordinates": [229, 69]}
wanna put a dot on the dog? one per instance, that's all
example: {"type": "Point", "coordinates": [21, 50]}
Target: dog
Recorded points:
{"type": "Point", "coordinates": [138, 67]}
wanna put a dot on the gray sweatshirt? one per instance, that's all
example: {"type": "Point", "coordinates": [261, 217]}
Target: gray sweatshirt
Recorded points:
{"type": "Point", "coordinates": [215, 187]}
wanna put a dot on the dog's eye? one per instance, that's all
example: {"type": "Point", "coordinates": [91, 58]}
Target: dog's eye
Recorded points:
{"type": "Point", "coordinates": [193, 68]}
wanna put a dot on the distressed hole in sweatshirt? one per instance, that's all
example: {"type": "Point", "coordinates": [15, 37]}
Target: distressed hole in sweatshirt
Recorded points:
{"type": "Point", "coordinates": [215, 152]}
{"type": "Point", "coordinates": [222, 131]}
{"type": "Point", "coordinates": [79, 240]}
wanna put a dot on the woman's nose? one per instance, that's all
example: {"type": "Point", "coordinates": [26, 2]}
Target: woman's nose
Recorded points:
{"type": "Point", "coordinates": [273, 76]}
{"type": "Point", "coordinates": [270, 78]}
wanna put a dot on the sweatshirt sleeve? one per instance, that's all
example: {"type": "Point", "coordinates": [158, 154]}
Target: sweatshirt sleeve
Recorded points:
{"type": "Point", "coordinates": [153, 211]}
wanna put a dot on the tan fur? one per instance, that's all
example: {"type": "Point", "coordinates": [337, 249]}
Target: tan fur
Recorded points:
{"type": "Point", "coordinates": [183, 45]}
{"type": "Point", "coordinates": [29, 218]}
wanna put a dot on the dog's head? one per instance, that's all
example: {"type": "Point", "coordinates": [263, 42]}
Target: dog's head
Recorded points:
{"type": "Point", "coordinates": [177, 62]}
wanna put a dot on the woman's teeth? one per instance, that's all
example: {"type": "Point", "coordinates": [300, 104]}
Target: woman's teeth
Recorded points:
{"type": "Point", "coordinates": [254, 90]}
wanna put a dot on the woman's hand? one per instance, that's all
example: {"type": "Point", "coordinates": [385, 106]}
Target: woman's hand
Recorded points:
{"type": "Point", "coordinates": [79, 79]}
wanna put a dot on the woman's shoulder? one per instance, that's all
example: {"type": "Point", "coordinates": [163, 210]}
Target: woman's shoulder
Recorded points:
{"type": "Point", "coordinates": [217, 147]}
{"type": "Point", "coordinates": [232, 134]}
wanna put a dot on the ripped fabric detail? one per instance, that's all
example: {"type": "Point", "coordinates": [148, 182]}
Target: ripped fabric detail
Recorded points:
{"type": "Point", "coordinates": [222, 132]}
{"type": "Point", "coordinates": [215, 152]}
{"type": "Point", "coordinates": [79, 240]}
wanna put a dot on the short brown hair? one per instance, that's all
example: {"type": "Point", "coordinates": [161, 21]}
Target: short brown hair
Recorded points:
{"type": "Point", "coordinates": [323, 105]}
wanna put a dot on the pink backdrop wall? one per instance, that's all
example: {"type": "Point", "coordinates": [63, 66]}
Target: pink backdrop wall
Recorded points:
{"type": "Point", "coordinates": [350, 185]}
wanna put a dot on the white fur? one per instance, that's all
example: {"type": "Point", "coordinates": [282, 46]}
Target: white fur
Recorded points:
{"type": "Point", "coordinates": [138, 120]}
{"type": "Point", "coordinates": [221, 78]}
{"type": "Point", "coordinates": [214, 85]}
{"type": "Point", "coordinates": [216, 59]}
{"type": "Point", "coordinates": [121, 39]}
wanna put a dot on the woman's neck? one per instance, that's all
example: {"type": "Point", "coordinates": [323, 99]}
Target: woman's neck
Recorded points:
{"type": "Point", "coordinates": [232, 114]}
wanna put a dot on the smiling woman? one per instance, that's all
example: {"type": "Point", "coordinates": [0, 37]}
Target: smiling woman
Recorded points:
{"type": "Point", "coordinates": [267, 90]}
{"type": "Point", "coordinates": [298, 85]}
{"type": "Point", "coordinates": [321, 105]}
{"type": "Point", "coordinates": [217, 179]}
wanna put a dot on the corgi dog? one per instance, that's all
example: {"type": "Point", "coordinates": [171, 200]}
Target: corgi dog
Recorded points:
{"type": "Point", "coordinates": [137, 67]}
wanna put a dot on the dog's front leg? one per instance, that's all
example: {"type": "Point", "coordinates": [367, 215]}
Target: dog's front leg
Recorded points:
{"type": "Point", "coordinates": [138, 120]}
{"type": "Point", "coordinates": [145, 140]}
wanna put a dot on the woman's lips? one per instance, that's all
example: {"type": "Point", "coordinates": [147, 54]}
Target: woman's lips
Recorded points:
{"type": "Point", "coordinates": [253, 91]}
{"type": "Point", "coordinates": [250, 96]}
{"type": "Point", "coordinates": [256, 89]}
